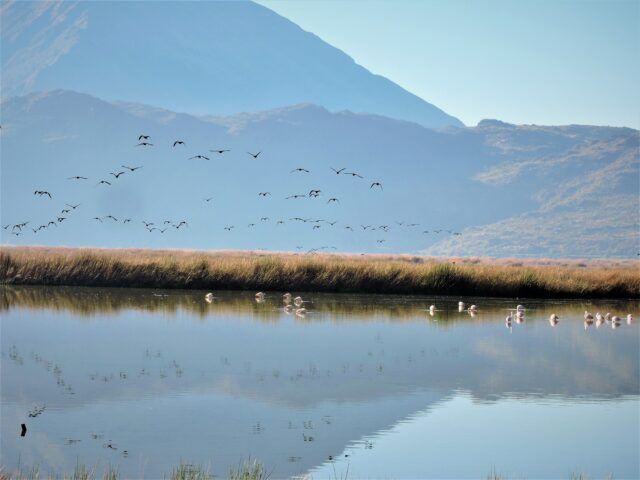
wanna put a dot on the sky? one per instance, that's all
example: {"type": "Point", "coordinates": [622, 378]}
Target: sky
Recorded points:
{"type": "Point", "coordinates": [543, 62]}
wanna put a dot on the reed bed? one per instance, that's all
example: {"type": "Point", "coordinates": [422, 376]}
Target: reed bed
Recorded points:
{"type": "Point", "coordinates": [337, 273]}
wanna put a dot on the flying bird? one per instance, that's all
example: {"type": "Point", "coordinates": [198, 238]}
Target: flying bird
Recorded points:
{"type": "Point", "coordinates": [314, 193]}
{"type": "Point", "coordinates": [299, 169]}
{"type": "Point", "coordinates": [338, 171]}
{"type": "Point", "coordinates": [229, 227]}
{"type": "Point", "coordinates": [144, 137]}
{"type": "Point", "coordinates": [264, 194]}
{"type": "Point", "coordinates": [116, 174]}
{"type": "Point", "coordinates": [112, 218]}
{"type": "Point", "coordinates": [72, 206]}
{"type": "Point", "coordinates": [376, 184]}
{"type": "Point", "coordinates": [103, 181]}
{"type": "Point", "coordinates": [41, 193]}
{"type": "Point", "coordinates": [97, 218]}
{"type": "Point", "coordinates": [178, 142]}
{"type": "Point", "coordinates": [220, 151]}
{"type": "Point", "coordinates": [208, 199]}
{"type": "Point", "coordinates": [254, 155]}
{"type": "Point", "coordinates": [353, 174]}
{"type": "Point", "coordinates": [77, 177]}
{"type": "Point", "coordinates": [144, 144]}
{"type": "Point", "coordinates": [295, 196]}
{"type": "Point", "coordinates": [199, 156]}
{"type": "Point", "coordinates": [333, 200]}
{"type": "Point", "coordinates": [131, 169]}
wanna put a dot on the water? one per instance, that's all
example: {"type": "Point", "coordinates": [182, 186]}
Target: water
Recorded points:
{"type": "Point", "coordinates": [369, 386]}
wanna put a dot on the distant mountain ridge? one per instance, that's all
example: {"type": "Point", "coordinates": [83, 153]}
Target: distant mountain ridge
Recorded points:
{"type": "Point", "coordinates": [197, 57]}
{"type": "Point", "coordinates": [509, 190]}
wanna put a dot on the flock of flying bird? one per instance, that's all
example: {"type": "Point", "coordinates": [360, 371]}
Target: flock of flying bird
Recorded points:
{"type": "Point", "coordinates": [144, 141]}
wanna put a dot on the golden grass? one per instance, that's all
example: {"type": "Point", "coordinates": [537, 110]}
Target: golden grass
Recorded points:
{"type": "Point", "coordinates": [322, 273]}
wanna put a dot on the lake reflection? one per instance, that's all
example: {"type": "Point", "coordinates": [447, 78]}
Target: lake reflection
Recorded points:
{"type": "Point", "coordinates": [372, 385]}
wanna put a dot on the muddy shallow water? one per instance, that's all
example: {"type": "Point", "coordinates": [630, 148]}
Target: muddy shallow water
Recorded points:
{"type": "Point", "coordinates": [375, 386]}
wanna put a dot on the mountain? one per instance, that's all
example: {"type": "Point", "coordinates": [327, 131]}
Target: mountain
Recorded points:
{"type": "Point", "coordinates": [199, 57]}
{"type": "Point", "coordinates": [509, 190]}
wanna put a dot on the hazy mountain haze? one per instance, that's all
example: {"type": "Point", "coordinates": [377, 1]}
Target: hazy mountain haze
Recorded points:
{"type": "Point", "coordinates": [199, 57]}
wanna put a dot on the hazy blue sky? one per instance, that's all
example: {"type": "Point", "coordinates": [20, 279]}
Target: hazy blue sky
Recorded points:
{"type": "Point", "coordinates": [544, 62]}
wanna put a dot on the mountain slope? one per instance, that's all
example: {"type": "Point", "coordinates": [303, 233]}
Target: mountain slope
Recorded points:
{"type": "Point", "coordinates": [510, 190]}
{"type": "Point", "coordinates": [201, 57]}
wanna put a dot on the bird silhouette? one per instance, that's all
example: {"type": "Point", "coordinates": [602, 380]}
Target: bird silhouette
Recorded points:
{"type": "Point", "coordinates": [299, 169]}
{"type": "Point", "coordinates": [199, 156]}
{"type": "Point", "coordinates": [131, 169]}
{"type": "Point", "coordinates": [208, 199]}
{"type": "Point", "coordinates": [77, 177]}
{"type": "Point", "coordinates": [376, 184]}
{"type": "Point", "coordinates": [111, 217]}
{"type": "Point", "coordinates": [220, 151]}
{"type": "Point", "coordinates": [353, 174]}
{"type": "Point", "coordinates": [295, 196]}
{"type": "Point", "coordinates": [338, 171]}
{"type": "Point", "coordinates": [264, 194]}
{"type": "Point", "coordinates": [116, 174]}
{"type": "Point", "coordinates": [42, 192]}
{"type": "Point", "coordinates": [72, 206]}
{"type": "Point", "coordinates": [335, 200]}
{"type": "Point", "coordinates": [178, 142]}
{"type": "Point", "coordinates": [144, 137]}
{"type": "Point", "coordinates": [314, 193]}
{"type": "Point", "coordinates": [103, 182]}
{"type": "Point", "coordinates": [144, 144]}
{"type": "Point", "coordinates": [97, 218]}
{"type": "Point", "coordinates": [254, 155]}
{"type": "Point", "coordinates": [228, 228]}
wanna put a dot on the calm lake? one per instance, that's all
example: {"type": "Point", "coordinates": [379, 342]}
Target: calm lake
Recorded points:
{"type": "Point", "coordinates": [361, 386]}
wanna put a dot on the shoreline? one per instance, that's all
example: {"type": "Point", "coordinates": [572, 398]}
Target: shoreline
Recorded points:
{"type": "Point", "coordinates": [327, 272]}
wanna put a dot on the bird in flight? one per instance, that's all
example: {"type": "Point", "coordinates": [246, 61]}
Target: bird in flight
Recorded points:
{"type": "Point", "coordinates": [376, 184]}
{"type": "Point", "coordinates": [353, 174]}
{"type": "Point", "coordinates": [181, 223]}
{"type": "Point", "coordinates": [264, 219]}
{"type": "Point", "coordinates": [380, 241]}
{"type": "Point", "coordinates": [116, 174]}
{"type": "Point", "coordinates": [199, 156]}
{"type": "Point", "coordinates": [126, 220]}
{"type": "Point", "coordinates": [208, 199]}
{"type": "Point", "coordinates": [264, 194]}
{"type": "Point", "coordinates": [72, 206]}
{"type": "Point", "coordinates": [338, 171]}
{"type": "Point", "coordinates": [144, 144]}
{"type": "Point", "coordinates": [144, 137]}
{"type": "Point", "coordinates": [254, 155]}
{"type": "Point", "coordinates": [229, 227]}
{"type": "Point", "coordinates": [147, 224]}
{"type": "Point", "coordinates": [315, 227]}
{"type": "Point", "coordinates": [103, 181]}
{"type": "Point", "coordinates": [111, 217]}
{"type": "Point", "coordinates": [251, 225]}
{"type": "Point", "coordinates": [77, 177]}
{"type": "Point", "coordinates": [333, 200]}
{"type": "Point", "coordinates": [41, 193]}
{"type": "Point", "coordinates": [299, 169]}
{"type": "Point", "coordinates": [348, 227]}
{"type": "Point", "coordinates": [131, 169]}
{"type": "Point", "coordinates": [97, 218]}
{"type": "Point", "coordinates": [64, 210]}
{"type": "Point", "coordinates": [314, 193]}
{"type": "Point", "coordinates": [220, 151]}
{"type": "Point", "coordinates": [178, 142]}
{"type": "Point", "coordinates": [295, 196]}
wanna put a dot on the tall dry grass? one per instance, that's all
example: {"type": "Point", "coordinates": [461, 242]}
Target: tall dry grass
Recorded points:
{"type": "Point", "coordinates": [322, 273]}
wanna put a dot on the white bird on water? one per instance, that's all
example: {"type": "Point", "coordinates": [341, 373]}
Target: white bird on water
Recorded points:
{"type": "Point", "coordinates": [301, 312]}
{"type": "Point", "coordinates": [209, 297]}
{"type": "Point", "coordinates": [460, 306]}
{"type": "Point", "coordinates": [298, 301]}
{"type": "Point", "coordinates": [520, 308]}
{"type": "Point", "coordinates": [259, 297]}
{"type": "Point", "coordinates": [286, 298]}
{"type": "Point", "coordinates": [432, 310]}
{"type": "Point", "coordinates": [554, 319]}
{"type": "Point", "coordinates": [588, 316]}
{"type": "Point", "coordinates": [629, 319]}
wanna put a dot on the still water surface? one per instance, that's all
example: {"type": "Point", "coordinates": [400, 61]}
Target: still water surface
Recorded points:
{"type": "Point", "coordinates": [372, 386]}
